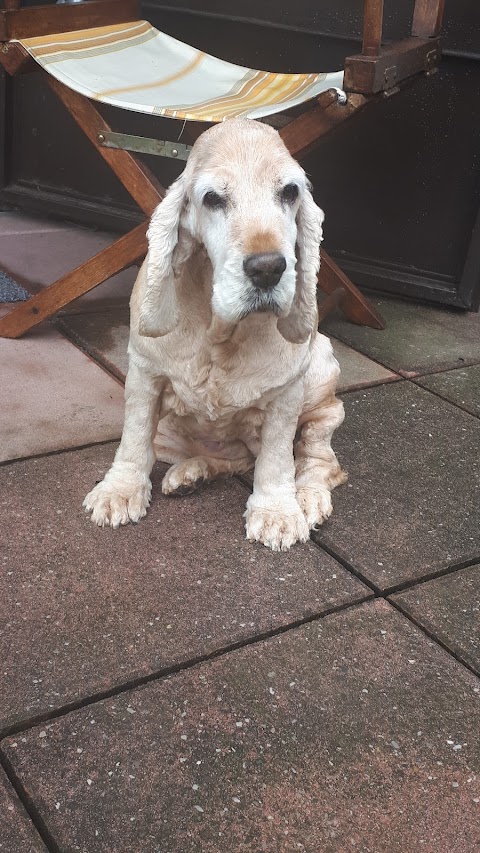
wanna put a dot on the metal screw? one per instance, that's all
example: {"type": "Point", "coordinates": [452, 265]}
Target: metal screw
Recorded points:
{"type": "Point", "coordinates": [101, 137]}
{"type": "Point", "coordinates": [174, 152]}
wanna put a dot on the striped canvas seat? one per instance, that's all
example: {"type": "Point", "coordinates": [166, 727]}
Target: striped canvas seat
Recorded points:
{"type": "Point", "coordinates": [136, 67]}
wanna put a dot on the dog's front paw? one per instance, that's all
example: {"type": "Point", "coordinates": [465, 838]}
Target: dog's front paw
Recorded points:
{"type": "Point", "coordinates": [112, 503]}
{"type": "Point", "coordinates": [277, 527]}
{"type": "Point", "coordinates": [316, 505]}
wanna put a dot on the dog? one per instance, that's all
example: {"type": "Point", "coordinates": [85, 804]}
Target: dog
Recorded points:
{"type": "Point", "coordinates": [227, 371]}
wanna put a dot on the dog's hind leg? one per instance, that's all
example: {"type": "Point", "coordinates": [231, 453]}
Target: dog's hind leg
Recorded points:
{"type": "Point", "coordinates": [317, 470]}
{"type": "Point", "coordinates": [196, 459]}
{"type": "Point", "coordinates": [185, 477]}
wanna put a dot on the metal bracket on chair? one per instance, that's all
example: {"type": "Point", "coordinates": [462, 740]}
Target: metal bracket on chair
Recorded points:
{"type": "Point", "coordinates": [390, 77]}
{"type": "Point", "coordinates": [144, 145]}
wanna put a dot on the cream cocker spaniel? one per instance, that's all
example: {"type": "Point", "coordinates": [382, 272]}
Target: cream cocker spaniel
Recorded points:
{"type": "Point", "coordinates": [226, 368]}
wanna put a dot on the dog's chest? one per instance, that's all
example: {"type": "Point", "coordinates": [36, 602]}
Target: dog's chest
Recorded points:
{"type": "Point", "coordinates": [216, 386]}
{"type": "Point", "coordinates": [209, 391]}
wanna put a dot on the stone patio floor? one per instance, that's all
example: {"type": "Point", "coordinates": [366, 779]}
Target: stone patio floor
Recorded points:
{"type": "Point", "coordinates": [170, 687]}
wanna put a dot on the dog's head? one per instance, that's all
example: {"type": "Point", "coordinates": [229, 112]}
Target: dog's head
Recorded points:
{"type": "Point", "coordinates": [248, 202]}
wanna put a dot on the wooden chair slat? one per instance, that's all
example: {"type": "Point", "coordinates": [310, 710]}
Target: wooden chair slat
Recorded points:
{"type": "Point", "coordinates": [427, 18]}
{"type": "Point", "coordinates": [372, 27]}
{"type": "Point", "coordinates": [137, 179]}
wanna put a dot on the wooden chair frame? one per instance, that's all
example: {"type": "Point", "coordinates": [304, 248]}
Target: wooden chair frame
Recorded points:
{"type": "Point", "coordinates": [375, 72]}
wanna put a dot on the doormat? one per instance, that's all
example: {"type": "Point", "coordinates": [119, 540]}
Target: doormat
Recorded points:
{"type": "Point", "coordinates": [10, 291]}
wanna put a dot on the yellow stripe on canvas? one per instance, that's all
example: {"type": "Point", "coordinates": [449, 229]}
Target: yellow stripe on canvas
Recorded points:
{"type": "Point", "coordinates": [271, 83]}
{"type": "Point", "coordinates": [140, 87]}
{"type": "Point", "coordinates": [80, 39]}
{"type": "Point", "coordinates": [101, 50]}
{"type": "Point", "coordinates": [184, 111]}
{"type": "Point", "coordinates": [278, 87]}
{"type": "Point", "coordinates": [222, 104]}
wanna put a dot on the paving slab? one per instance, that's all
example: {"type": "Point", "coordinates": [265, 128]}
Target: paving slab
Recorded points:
{"type": "Point", "coordinates": [410, 508]}
{"type": "Point", "coordinates": [84, 609]}
{"type": "Point", "coordinates": [17, 833]}
{"type": "Point", "coordinates": [12, 223]}
{"type": "Point", "coordinates": [103, 334]}
{"type": "Point", "coordinates": [36, 257]}
{"type": "Point", "coordinates": [449, 608]}
{"type": "Point", "coordinates": [461, 387]}
{"type": "Point", "coordinates": [357, 371]}
{"type": "Point", "coordinates": [53, 396]}
{"type": "Point", "coordinates": [351, 733]}
{"type": "Point", "coordinates": [417, 338]}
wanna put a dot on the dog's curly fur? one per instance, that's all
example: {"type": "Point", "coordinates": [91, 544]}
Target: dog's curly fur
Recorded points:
{"type": "Point", "coordinates": [224, 377]}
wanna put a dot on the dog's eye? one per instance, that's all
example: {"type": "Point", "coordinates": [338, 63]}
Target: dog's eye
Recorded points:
{"type": "Point", "coordinates": [289, 194]}
{"type": "Point", "coordinates": [214, 201]}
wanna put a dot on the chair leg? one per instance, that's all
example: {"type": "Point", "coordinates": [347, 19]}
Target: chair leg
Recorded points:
{"type": "Point", "coordinates": [354, 304]}
{"type": "Point", "coordinates": [121, 254]}
{"type": "Point", "coordinates": [135, 177]}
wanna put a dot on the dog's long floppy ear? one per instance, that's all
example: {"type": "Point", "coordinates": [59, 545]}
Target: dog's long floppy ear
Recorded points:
{"type": "Point", "coordinates": [301, 321]}
{"type": "Point", "coordinates": [168, 247]}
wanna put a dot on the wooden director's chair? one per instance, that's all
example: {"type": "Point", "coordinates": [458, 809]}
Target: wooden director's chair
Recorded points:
{"type": "Point", "coordinates": [376, 72]}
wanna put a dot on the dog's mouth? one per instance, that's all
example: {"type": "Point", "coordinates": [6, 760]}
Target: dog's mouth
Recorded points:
{"type": "Point", "coordinates": [262, 303]}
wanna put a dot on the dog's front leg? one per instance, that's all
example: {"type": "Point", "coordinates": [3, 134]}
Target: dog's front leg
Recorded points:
{"type": "Point", "coordinates": [124, 493]}
{"type": "Point", "coordinates": [273, 515]}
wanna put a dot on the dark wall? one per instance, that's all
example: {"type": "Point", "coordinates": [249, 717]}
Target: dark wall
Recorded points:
{"type": "Point", "coordinates": [399, 182]}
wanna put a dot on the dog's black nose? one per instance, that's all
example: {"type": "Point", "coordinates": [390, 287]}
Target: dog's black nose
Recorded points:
{"type": "Point", "coordinates": [265, 269]}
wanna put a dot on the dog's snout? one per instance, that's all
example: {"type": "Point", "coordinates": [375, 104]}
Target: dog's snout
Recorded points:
{"type": "Point", "coordinates": [265, 269]}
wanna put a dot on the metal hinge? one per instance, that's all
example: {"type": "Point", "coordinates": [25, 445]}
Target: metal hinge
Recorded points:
{"type": "Point", "coordinates": [144, 145]}
{"type": "Point", "coordinates": [390, 77]}
{"type": "Point", "coordinates": [432, 59]}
